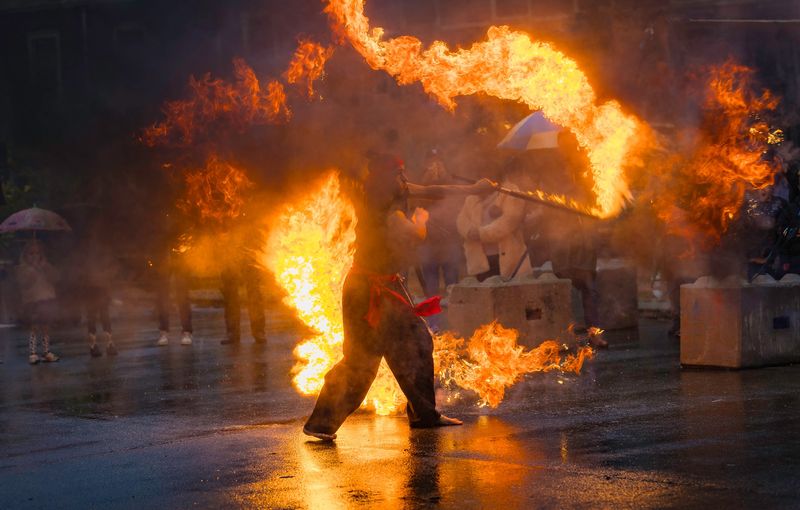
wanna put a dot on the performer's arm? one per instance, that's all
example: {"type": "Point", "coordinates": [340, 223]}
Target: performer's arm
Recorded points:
{"type": "Point", "coordinates": [440, 191]}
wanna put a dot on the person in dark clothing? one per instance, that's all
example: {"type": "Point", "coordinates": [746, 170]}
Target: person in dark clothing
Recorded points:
{"type": "Point", "coordinates": [99, 272]}
{"type": "Point", "coordinates": [378, 320]}
{"type": "Point", "coordinates": [231, 278]}
{"type": "Point", "coordinates": [173, 275]}
{"type": "Point", "coordinates": [441, 250]}
{"type": "Point", "coordinates": [574, 252]}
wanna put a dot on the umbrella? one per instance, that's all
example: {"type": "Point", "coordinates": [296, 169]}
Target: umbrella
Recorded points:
{"type": "Point", "coordinates": [34, 219]}
{"type": "Point", "coordinates": [532, 132]}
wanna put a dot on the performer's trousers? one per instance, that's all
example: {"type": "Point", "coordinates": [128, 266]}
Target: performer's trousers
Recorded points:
{"type": "Point", "coordinates": [400, 336]}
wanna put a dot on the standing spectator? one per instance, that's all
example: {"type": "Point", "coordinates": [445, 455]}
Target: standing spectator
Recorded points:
{"type": "Point", "coordinates": [99, 271]}
{"type": "Point", "coordinates": [492, 228]}
{"type": "Point", "coordinates": [237, 269]}
{"type": "Point", "coordinates": [36, 278]}
{"type": "Point", "coordinates": [172, 273]}
{"type": "Point", "coordinates": [441, 249]}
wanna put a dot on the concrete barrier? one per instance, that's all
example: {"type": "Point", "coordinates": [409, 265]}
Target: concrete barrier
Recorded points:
{"type": "Point", "coordinates": [539, 308]}
{"type": "Point", "coordinates": [735, 324]}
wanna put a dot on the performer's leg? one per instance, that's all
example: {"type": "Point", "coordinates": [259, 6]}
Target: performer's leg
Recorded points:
{"type": "Point", "coordinates": [347, 384]}
{"type": "Point", "coordinates": [409, 354]}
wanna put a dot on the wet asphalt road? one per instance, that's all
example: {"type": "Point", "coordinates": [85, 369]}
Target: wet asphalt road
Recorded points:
{"type": "Point", "coordinates": [212, 426]}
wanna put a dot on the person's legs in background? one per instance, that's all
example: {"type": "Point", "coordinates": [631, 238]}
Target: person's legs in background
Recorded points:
{"type": "Point", "coordinates": [255, 303]}
{"type": "Point", "coordinates": [184, 306]}
{"type": "Point", "coordinates": [230, 296]}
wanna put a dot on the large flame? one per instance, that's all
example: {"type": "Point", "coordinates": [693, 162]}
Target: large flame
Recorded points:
{"type": "Point", "coordinates": [213, 101]}
{"type": "Point", "coordinates": [491, 361]}
{"type": "Point", "coordinates": [508, 65]}
{"type": "Point", "coordinates": [727, 160]}
{"type": "Point", "coordinates": [310, 250]}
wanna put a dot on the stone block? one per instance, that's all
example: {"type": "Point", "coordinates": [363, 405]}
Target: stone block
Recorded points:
{"type": "Point", "coordinates": [539, 308]}
{"type": "Point", "coordinates": [618, 304]}
{"type": "Point", "coordinates": [735, 324]}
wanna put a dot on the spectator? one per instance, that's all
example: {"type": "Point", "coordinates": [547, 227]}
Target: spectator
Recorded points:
{"type": "Point", "coordinates": [441, 250]}
{"type": "Point", "coordinates": [36, 278]}
{"type": "Point", "coordinates": [240, 268]}
{"type": "Point", "coordinates": [99, 270]}
{"type": "Point", "coordinates": [492, 228]}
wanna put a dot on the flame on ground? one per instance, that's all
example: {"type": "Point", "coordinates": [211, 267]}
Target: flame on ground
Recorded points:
{"type": "Point", "coordinates": [508, 65]}
{"type": "Point", "coordinates": [310, 250]}
{"type": "Point", "coordinates": [491, 361]}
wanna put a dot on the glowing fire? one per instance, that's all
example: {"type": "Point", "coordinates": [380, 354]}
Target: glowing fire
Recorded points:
{"type": "Point", "coordinates": [216, 192]}
{"type": "Point", "coordinates": [508, 65]}
{"type": "Point", "coordinates": [308, 64]}
{"type": "Point", "coordinates": [492, 361]}
{"type": "Point", "coordinates": [727, 160]}
{"type": "Point", "coordinates": [310, 250]}
{"type": "Point", "coordinates": [240, 104]}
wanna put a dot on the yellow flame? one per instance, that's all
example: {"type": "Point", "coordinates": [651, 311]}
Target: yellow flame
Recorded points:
{"type": "Point", "coordinates": [310, 250]}
{"type": "Point", "coordinates": [508, 65]}
{"type": "Point", "coordinates": [492, 361]}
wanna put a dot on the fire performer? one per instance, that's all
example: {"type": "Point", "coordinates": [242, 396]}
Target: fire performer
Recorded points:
{"type": "Point", "coordinates": [379, 319]}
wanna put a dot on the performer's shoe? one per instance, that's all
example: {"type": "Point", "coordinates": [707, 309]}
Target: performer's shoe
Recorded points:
{"type": "Point", "coordinates": [445, 421]}
{"type": "Point", "coordinates": [598, 342]}
{"type": "Point", "coordinates": [319, 435]}
{"type": "Point", "coordinates": [442, 421]}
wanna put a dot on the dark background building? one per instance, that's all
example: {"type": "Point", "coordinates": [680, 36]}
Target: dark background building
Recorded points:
{"type": "Point", "coordinates": [80, 78]}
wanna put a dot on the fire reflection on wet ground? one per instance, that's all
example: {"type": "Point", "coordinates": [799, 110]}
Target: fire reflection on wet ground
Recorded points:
{"type": "Point", "coordinates": [214, 427]}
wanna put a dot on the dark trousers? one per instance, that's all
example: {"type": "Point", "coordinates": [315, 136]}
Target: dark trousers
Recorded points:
{"type": "Point", "coordinates": [401, 337]}
{"type": "Point", "coordinates": [231, 281]}
{"type": "Point", "coordinates": [97, 304]}
{"type": "Point", "coordinates": [446, 256]}
{"type": "Point", "coordinates": [585, 282]}
{"type": "Point", "coordinates": [494, 268]}
{"type": "Point", "coordinates": [430, 275]}
{"type": "Point", "coordinates": [181, 287]}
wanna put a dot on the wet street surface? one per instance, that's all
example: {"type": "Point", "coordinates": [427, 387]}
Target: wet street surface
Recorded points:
{"type": "Point", "coordinates": [217, 426]}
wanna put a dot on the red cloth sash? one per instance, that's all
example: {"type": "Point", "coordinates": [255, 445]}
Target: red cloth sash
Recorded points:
{"type": "Point", "coordinates": [380, 285]}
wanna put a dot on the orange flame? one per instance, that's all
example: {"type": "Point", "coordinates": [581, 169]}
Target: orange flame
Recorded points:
{"type": "Point", "coordinates": [215, 192]}
{"type": "Point", "coordinates": [508, 65]}
{"type": "Point", "coordinates": [308, 64]}
{"type": "Point", "coordinates": [492, 361]}
{"type": "Point", "coordinates": [727, 161]}
{"type": "Point", "coordinates": [310, 250]}
{"type": "Point", "coordinates": [240, 104]}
